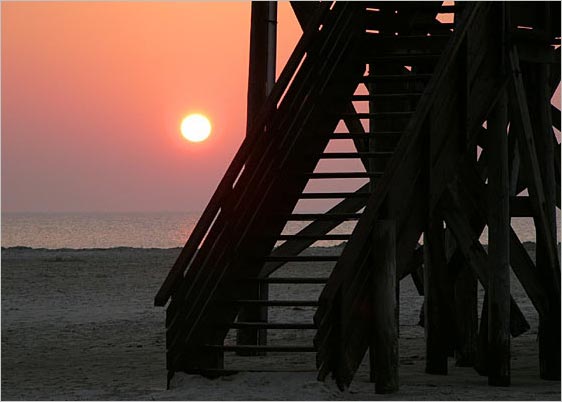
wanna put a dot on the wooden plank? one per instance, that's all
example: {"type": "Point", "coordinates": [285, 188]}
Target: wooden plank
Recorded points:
{"type": "Point", "coordinates": [499, 366]}
{"type": "Point", "coordinates": [313, 230]}
{"type": "Point", "coordinates": [385, 324]}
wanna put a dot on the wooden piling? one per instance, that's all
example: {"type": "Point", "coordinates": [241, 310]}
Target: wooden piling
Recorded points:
{"type": "Point", "coordinates": [499, 371]}
{"type": "Point", "coordinates": [385, 325]}
{"type": "Point", "coordinates": [549, 323]}
{"type": "Point", "coordinates": [481, 362]}
{"type": "Point", "coordinates": [435, 325]}
{"type": "Point", "coordinates": [466, 313]}
{"type": "Point", "coordinates": [260, 82]}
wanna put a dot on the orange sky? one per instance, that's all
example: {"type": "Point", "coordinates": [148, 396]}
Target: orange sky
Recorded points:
{"type": "Point", "coordinates": [93, 95]}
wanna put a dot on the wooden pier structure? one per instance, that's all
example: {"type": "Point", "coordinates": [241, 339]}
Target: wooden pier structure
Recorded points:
{"type": "Point", "coordinates": [453, 128]}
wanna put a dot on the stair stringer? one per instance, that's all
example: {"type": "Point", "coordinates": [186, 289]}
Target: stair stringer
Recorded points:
{"type": "Point", "coordinates": [254, 217]}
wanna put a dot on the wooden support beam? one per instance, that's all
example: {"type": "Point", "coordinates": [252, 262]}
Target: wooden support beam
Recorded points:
{"type": "Point", "coordinates": [522, 118]}
{"type": "Point", "coordinates": [481, 363]}
{"type": "Point", "coordinates": [437, 317]}
{"type": "Point", "coordinates": [473, 251]}
{"type": "Point", "coordinates": [499, 368]}
{"type": "Point", "coordinates": [385, 324]}
{"type": "Point", "coordinates": [555, 116]}
{"type": "Point", "coordinates": [466, 311]}
{"type": "Point", "coordinates": [514, 162]}
{"type": "Point", "coordinates": [540, 110]}
{"type": "Point", "coordinates": [557, 169]}
{"type": "Point", "coordinates": [476, 208]}
{"type": "Point", "coordinates": [537, 144]}
{"type": "Point", "coordinates": [261, 78]}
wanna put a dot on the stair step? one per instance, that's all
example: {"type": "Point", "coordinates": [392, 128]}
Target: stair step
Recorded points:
{"type": "Point", "coordinates": [323, 217]}
{"type": "Point", "coordinates": [377, 114]}
{"type": "Point", "coordinates": [301, 258]}
{"type": "Point", "coordinates": [278, 303]}
{"type": "Point", "coordinates": [405, 58]}
{"type": "Point", "coordinates": [394, 77]}
{"type": "Point", "coordinates": [293, 281]}
{"type": "Point", "coordinates": [314, 237]}
{"type": "Point", "coordinates": [342, 175]}
{"type": "Point", "coordinates": [412, 5]}
{"type": "Point", "coordinates": [402, 44]}
{"type": "Point", "coordinates": [377, 20]}
{"type": "Point", "coordinates": [273, 325]}
{"type": "Point", "coordinates": [313, 196]}
{"type": "Point", "coordinates": [354, 155]}
{"type": "Point", "coordinates": [385, 96]}
{"type": "Point", "coordinates": [262, 348]}
{"type": "Point", "coordinates": [364, 136]}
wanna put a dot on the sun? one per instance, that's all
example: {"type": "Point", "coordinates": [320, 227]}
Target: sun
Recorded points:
{"type": "Point", "coordinates": [195, 127]}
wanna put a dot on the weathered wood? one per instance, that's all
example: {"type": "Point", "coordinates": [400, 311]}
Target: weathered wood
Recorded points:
{"type": "Point", "coordinates": [385, 324]}
{"type": "Point", "coordinates": [264, 186]}
{"type": "Point", "coordinates": [466, 312]}
{"type": "Point", "coordinates": [474, 253]}
{"type": "Point", "coordinates": [540, 109]}
{"type": "Point", "coordinates": [261, 78]}
{"type": "Point", "coordinates": [520, 206]}
{"type": "Point", "coordinates": [481, 363]}
{"type": "Point", "coordinates": [475, 206]}
{"type": "Point", "coordinates": [402, 171]}
{"type": "Point", "coordinates": [174, 279]}
{"type": "Point", "coordinates": [499, 363]}
{"type": "Point", "coordinates": [437, 317]}
{"type": "Point", "coordinates": [522, 118]}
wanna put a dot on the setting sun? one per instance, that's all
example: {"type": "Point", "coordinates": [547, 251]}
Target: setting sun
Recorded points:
{"type": "Point", "coordinates": [195, 128]}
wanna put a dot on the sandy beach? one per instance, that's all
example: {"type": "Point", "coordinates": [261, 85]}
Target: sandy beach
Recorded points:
{"type": "Point", "coordinates": [80, 325]}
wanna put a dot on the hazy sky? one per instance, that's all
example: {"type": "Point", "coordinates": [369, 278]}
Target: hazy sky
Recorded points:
{"type": "Point", "coordinates": [93, 95]}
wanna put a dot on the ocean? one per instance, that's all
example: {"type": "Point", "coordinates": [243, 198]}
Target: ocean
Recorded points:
{"type": "Point", "coordinates": [140, 230]}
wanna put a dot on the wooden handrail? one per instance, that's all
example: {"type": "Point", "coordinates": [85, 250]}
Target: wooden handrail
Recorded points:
{"type": "Point", "coordinates": [225, 186]}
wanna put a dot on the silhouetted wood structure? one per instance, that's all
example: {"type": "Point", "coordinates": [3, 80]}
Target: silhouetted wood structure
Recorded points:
{"type": "Point", "coordinates": [456, 127]}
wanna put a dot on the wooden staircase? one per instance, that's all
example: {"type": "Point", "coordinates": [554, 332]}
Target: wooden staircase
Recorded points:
{"type": "Point", "coordinates": [198, 319]}
{"type": "Point", "coordinates": [373, 74]}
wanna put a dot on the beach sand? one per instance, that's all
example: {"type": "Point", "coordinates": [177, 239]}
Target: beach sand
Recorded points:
{"type": "Point", "coordinates": [81, 325]}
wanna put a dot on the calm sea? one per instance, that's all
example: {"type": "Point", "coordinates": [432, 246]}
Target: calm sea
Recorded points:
{"type": "Point", "coordinates": [142, 230]}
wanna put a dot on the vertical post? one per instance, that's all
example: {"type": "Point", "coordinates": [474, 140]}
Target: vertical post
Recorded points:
{"type": "Point", "coordinates": [466, 312]}
{"type": "Point", "coordinates": [499, 227]}
{"type": "Point", "coordinates": [435, 317]}
{"type": "Point", "coordinates": [549, 323]}
{"type": "Point", "coordinates": [372, 166]}
{"type": "Point", "coordinates": [481, 363]}
{"type": "Point", "coordinates": [385, 334]}
{"type": "Point", "coordinates": [263, 43]}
